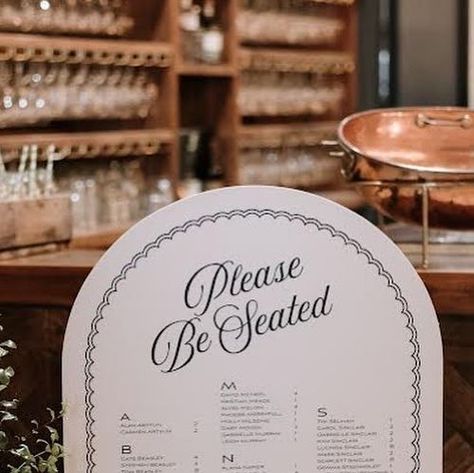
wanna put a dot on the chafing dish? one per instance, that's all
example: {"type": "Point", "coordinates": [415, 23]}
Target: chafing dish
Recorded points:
{"type": "Point", "coordinates": [414, 165]}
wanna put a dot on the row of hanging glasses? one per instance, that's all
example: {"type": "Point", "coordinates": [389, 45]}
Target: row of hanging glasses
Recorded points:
{"type": "Point", "coordinates": [306, 7]}
{"type": "Point", "coordinates": [113, 194]}
{"type": "Point", "coordinates": [76, 17]}
{"type": "Point", "coordinates": [27, 179]}
{"type": "Point", "coordinates": [288, 29]}
{"type": "Point", "coordinates": [288, 94]}
{"type": "Point", "coordinates": [32, 93]}
{"type": "Point", "coordinates": [299, 167]}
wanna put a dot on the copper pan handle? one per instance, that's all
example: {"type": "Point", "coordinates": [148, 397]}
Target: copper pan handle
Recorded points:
{"type": "Point", "coordinates": [348, 160]}
{"type": "Point", "coordinates": [337, 151]}
{"type": "Point", "coordinates": [423, 121]}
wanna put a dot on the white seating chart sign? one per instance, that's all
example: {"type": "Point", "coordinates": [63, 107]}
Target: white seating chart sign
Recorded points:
{"type": "Point", "coordinates": [253, 330]}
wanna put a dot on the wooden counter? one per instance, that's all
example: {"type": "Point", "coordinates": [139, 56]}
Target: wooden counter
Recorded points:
{"type": "Point", "coordinates": [54, 280]}
{"type": "Point", "coordinates": [36, 295]}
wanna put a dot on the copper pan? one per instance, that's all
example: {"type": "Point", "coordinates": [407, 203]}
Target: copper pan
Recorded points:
{"type": "Point", "coordinates": [411, 161]}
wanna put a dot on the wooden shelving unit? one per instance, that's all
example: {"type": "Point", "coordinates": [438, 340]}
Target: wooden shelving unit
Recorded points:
{"type": "Point", "coordinates": [190, 95]}
{"type": "Point", "coordinates": [106, 144]}
{"type": "Point", "coordinates": [202, 70]}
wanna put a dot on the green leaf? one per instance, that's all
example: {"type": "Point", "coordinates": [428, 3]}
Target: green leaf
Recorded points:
{"type": "Point", "coordinates": [54, 434]}
{"type": "Point", "coordinates": [52, 414]}
{"type": "Point", "coordinates": [4, 377]}
{"type": "Point", "coordinates": [56, 449]}
{"type": "Point", "coordinates": [43, 466]}
{"type": "Point", "coordinates": [10, 405]}
{"type": "Point", "coordinates": [35, 426]}
{"type": "Point", "coordinates": [3, 441]}
{"type": "Point", "coordinates": [23, 452]}
{"type": "Point", "coordinates": [6, 416]}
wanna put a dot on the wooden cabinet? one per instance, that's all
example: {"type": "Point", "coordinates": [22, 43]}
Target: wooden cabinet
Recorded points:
{"type": "Point", "coordinates": [189, 95]}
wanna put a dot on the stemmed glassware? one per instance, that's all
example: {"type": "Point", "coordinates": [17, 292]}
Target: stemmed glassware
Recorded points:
{"type": "Point", "coordinates": [39, 92]}
{"type": "Point", "coordinates": [289, 166]}
{"type": "Point", "coordinates": [83, 17]}
{"type": "Point", "coordinates": [288, 28]}
{"type": "Point", "coordinates": [285, 94]}
{"type": "Point", "coordinates": [302, 6]}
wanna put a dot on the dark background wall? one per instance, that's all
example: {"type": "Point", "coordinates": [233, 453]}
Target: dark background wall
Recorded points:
{"type": "Point", "coordinates": [429, 52]}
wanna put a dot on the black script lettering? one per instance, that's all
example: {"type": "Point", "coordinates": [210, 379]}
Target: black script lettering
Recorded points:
{"type": "Point", "coordinates": [177, 338]}
{"type": "Point", "coordinates": [296, 268]}
{"type": "Point", "coordinates": [211, 281]}
{"type": "Point", "coordinates": [231, 325]}
{"type": "Point", "coordinates": [294, 304]}
{"type": "Point", "coordinates": [203, 342]}
{"type": "Point", "coordinates": [304, 307]}
{"type": "Point", "coordinates": [262, 277]}
{"type": "Point", "coordinates": [320, 306]}
{"type": "Point", "coordinates": [244, 282]}
{"type": "Point", "coordinates": [277, 320]}
{"type": "Point", "coordinates": [261, 324]}
{"type": "Point", "coordinates": [237, 327]}
{"type": "Point", "coordinates": [235, 277]}
{"type": "Point", "coordinates": [245, 285]}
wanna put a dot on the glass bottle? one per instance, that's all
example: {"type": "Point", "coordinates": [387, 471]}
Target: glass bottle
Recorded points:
{"type": "Point", "coordinates": [190, 23]}
{"type": "Point", "coordinates": [212, 37]}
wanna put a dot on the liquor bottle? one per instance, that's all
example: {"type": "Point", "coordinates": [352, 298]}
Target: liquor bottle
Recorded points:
{"type": "Point", "coordinates": [190, 23]}
{"type": "Point", "coordinates": [212, 37]}
{"type": "Point", "coordinates": [189, 17]}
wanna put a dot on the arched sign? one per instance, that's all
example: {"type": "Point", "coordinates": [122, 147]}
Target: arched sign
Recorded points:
{"type": "Point", "coordinates": [254, 330]}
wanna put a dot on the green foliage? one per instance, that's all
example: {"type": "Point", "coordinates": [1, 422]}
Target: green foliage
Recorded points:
{"type": "Point", "coordinates": [40, 451]}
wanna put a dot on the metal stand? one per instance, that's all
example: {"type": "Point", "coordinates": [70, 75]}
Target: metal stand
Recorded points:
{"type": "Point", "coordinates": [424, 190]}
{"type": "Point", "coordinates": [380, 221]}
{"type": "Point", "coordinates": [426, 226]}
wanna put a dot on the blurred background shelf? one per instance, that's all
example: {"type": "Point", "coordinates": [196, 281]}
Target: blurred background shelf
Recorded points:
{"type": "Point", "coordinates": [153, 100]}
{"type": "Point", "coordinates": [67, 50]}
{"type": "Point", "coordinates": [106, 144]}
{"type": "Point", "coordinates": [281, 135]}
{"type": "Point", "coordinates": [204, 70]}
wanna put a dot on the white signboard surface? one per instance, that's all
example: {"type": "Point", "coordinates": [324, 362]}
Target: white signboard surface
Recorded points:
{"type": "Point", "coordinates": [254, 330]}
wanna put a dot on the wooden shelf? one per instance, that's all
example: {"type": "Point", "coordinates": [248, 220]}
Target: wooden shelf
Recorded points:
{"type": "Point", "coordinates": [102, 238]}
{"type": "Point", "coordinates": [289, 60]}
{"type": "Point", "coordinates": [335, 2]}
{"type": "Point", "coordinates": [106, 144]}
{"type": "Point", "coordinates": [66, 50]}
{"type": "Point", "coordinates": [281, 135]}
{"type": "Point", "coordinates": [205, 70]}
